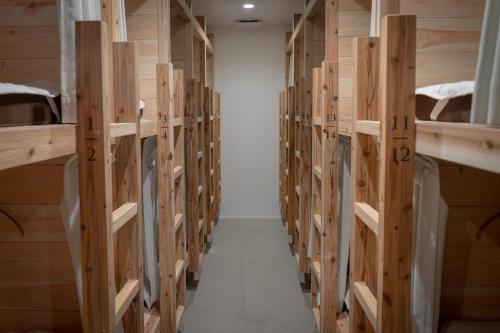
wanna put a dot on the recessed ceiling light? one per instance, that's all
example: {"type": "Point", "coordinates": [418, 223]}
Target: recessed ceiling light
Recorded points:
{"type": "Point", "coordinates": [248, 6]}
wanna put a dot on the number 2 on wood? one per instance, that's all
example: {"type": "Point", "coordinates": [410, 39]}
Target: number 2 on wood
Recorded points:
{"type": "Point", "coordinates": [91, 152]}
{"type": "Point", "coordinates": [404, 155]}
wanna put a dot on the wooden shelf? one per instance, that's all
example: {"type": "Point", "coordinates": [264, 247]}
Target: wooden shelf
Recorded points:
{"type": "Point", "coordinates": [23, 145]}
{"type": "Point", "coordinates": [368, 127]}
{"type": "Point", "coordinates": [176, 122]}
{"type": "Point", "coordinates": [148, 127]}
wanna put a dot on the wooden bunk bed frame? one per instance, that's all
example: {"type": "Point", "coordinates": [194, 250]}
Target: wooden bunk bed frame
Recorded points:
{"type": "Point", "coordinates": [41, 151]}
{"type": "Point", "coordinates": [465, 145]}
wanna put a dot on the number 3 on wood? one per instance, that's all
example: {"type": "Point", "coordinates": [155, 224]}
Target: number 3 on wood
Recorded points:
{"type": "Point", "coordinates": [403, 156]}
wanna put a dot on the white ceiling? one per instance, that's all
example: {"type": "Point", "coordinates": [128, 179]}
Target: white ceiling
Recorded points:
{"type": "Point", "coordinates": [226, 12]}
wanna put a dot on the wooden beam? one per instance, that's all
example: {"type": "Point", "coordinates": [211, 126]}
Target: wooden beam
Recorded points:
{"type": "Point", "coordinates": [166, 218]}
{"type": "Point", "coordinates": [164, 34]}
{"type": "Point", "coordinates": [300, 24]}
{"type": "Point", "coordinates": [23, 145]}
{"type": "Point", "coordinates": [93, 103]}
{"type": "Point", "coordinates": [397, 150]}
{"type": "Point", "coordinates": [197, 28]}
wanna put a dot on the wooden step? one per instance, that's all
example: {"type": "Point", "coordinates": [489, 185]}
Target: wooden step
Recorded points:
{"type": "Point", "coordinates": [317, 121]}
{"type": "Point", "coordinates": [297, 154]}
{"type": "Point", "coordinates": [297, 118]}
{"type": "Point", "coordinates": [297, 225]}
{"type": "Point", "coordinates": [297, 189]}
{"type": "Point", "coordinates": [199, 119]}
{"type": "Point", "coordinates": [176, 122]}
{"type": "Point", "coordinates": [212, 199]}
{"type": "Point", "coordinates": [151, 321]}
{"type": "Point", "coordinates": [211, 145]}
{"type": "Point", "coordinates": [367, 214]}
{"type": "Point", "coordinates": [124, 298]}
{"type": "Point", "coordinates": [317, 221]}
{"type": "Point", "coordinates": [316, 268]}
{"type": "Point", "coordinates": [123, 214]}
{"type": "Point", "coordinates": [122, 129]}
{"type": "Point", "coordinates": [200, 189]}
{"type": "Point", "coordinates": [200, 154]}
{"type": "Point", "coordinates": [200, 225]}
{"type": "Point", "coordinates": [178, 314]}
{"type": "Point", "coordinates": [179, 268]}
{"type": "Point", "coordinates": [178, 221]}
{"type": "Point", "coordinates": [369, 127]}
{"type": "Point", "coordinates": [366, 300]}
{"type": "Point", "coordinates": [178, 171]}
{"type": "Point", "coordinates": [211, 172]}
{"type": "Point", "coordinates": [317, 171]}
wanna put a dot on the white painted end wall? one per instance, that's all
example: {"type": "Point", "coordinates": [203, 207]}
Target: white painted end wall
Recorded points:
{"type": "Point", "coordinates": [249, 74]}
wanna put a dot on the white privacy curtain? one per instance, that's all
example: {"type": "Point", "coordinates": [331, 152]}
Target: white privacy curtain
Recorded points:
{"type": "Point", "coordinates": [69, 12]}
{"type": "Point", "coordinates": [486, 100]}
{"type": "Point", "coordinates": [429, 229]}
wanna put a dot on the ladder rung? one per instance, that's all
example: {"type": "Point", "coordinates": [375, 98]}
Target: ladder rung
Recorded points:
{"type": "Point", "coordinates": [122, 129]}
{"type": "Point", "coordinates": [177, 121]}
{"type": "Point", "coordinates": [179, 268]}
{"type": "Point", "coordinates": [317, 221]}
{"type": "Point", "coordinates": [297, 154]}
{"type": "Point", "coordinates": [370, 127]}
{"type": "Point", "coordinates": [200, 154]}
{"type": "Point", "coordinates": [178, 315]}
{"type": "Point", "coordinates": [297, 189]}
{"type": "Point", "coordinates": [343, 325]}
{"type": "Point", "coordinates": [200, 119]}
{"type": "Point", "coordinates": [297, 225]}
{"type": "Point", "coordinates": [316, 268]}
{"type": "Point", "coordinates": [317, 121]}
{"type": "Point", "coordinates": [286, 171]}
{"type": "Point", "coordinates": [297, 118]}
{"type": "Point", "coordinates": [367, 214]}
{"type": "Point", "coordinates": [151, 321]}
{"type": "Point", "coordinates": [211, 145]}
{"type": "Point", "coordinates": [317, 171]}
{"type": "Point", "coordinates": [211, 172]}
{"type": "Point", "coordinates": [177, 171]}
{"type": "Point", "coordinates": [367, 301]}
{"type": "Point", "coordinates": [286, 144]}
{"type": "Point", "coordinates": [200, 225]}
{"type": "Point", "coordinates": [286, 198]}
{"type": "Point", "coordinates": [123, 214]}
{"type": "Point", "coordinates": [200, 189]}
{"type": "Point", "coordinates": [212, 199]}
{"type": "Point", "coordinates": [178, 221]}
{"type": "Point", "coordinates": [124, 298]}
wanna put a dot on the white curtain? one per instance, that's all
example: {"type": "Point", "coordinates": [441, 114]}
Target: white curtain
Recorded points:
{"type": "Point", "coordinates": [486, 100]}
{"type": "Point", "coordinates": [150, 235]}
{"type": "Point", "coordinates": [429, 228]}
{"type": "Point", "coordinates": [69, 12]}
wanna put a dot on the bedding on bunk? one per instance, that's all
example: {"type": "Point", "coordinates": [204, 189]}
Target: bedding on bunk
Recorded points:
{"type": "Point", "coordinates": [33, 104]}
{"type": "Point", "coordinates": [445, 102]}
{"type": "Point", "coordinates": [486, 102]}
{"type": "Point", "coordinates": [69, 12]}
{"type": "Point", "coordinates": [150, 235]}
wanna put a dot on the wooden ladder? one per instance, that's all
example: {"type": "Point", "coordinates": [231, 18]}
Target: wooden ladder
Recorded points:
{"type": "Point", "coordinates": [381, 235]}
{"type": "Point", "coordinates": [110, 180]}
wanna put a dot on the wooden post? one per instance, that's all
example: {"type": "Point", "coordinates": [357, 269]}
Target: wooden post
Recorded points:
{"type": "Point", "coordinates": [166, 218]}
{"type": "Point", "coordinates": [93, 146]}
{"type": "Point", "coordinates": [397, 150]}
{"type": "Point", "coordinates": [127, 174]}
{"type": "Point", "coordinates": [164, 34]}
{"type": "Point", "coordinates": [290, 215]}
{"type": "Point", "coordinates": [329, 194]}
{"type": "Point", "coordinates": [364, 173]}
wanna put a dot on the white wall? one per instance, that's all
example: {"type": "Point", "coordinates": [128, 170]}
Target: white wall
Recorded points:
{"type": "Point", "coordinates": [249, 74]}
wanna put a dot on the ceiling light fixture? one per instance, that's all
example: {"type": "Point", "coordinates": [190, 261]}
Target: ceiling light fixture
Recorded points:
{"type": "Point", "coordinates": [248, 6]}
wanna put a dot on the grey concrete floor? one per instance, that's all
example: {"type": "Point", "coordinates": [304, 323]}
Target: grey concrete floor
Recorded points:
{"type": "Point", "coordinates": [248, 283]}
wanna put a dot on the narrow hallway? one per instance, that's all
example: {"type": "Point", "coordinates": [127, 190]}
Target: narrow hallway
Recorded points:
{"type": "Point", "coordinates": [248, 283]}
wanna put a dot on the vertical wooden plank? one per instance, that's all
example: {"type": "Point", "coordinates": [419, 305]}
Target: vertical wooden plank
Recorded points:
{"type": "Point", "coordinates": [189, 49]}
{"type": "Point", "coordinates": [383, 8]}
{"type": "Point", "coordinates": [110, 16]}
{"type": "Point", "coordinates": [93, 146]}
{"type": "Point", "coordinates": [364, 166]}
{"type": "Point", "coordinates": [288, 35]}
{"type": "Point", "coordinates": [164, 34]}
{"type": "Point", "coordinates": [192, 180]}
{"type": "Point", "coordinates": [331, 30]}
{"type": "Point", "coordinates": [203, 53]}
{"type": "Point", "coordinates": [291, 159]}
{"type": "Point", "coordinates": [164, 73]}
{"type": "Point", "coordinates": [397, 144]}
{"type": "Point", "coordinates": [329, 194]}
{"type": "Point", "coordinates": [127, 154]}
